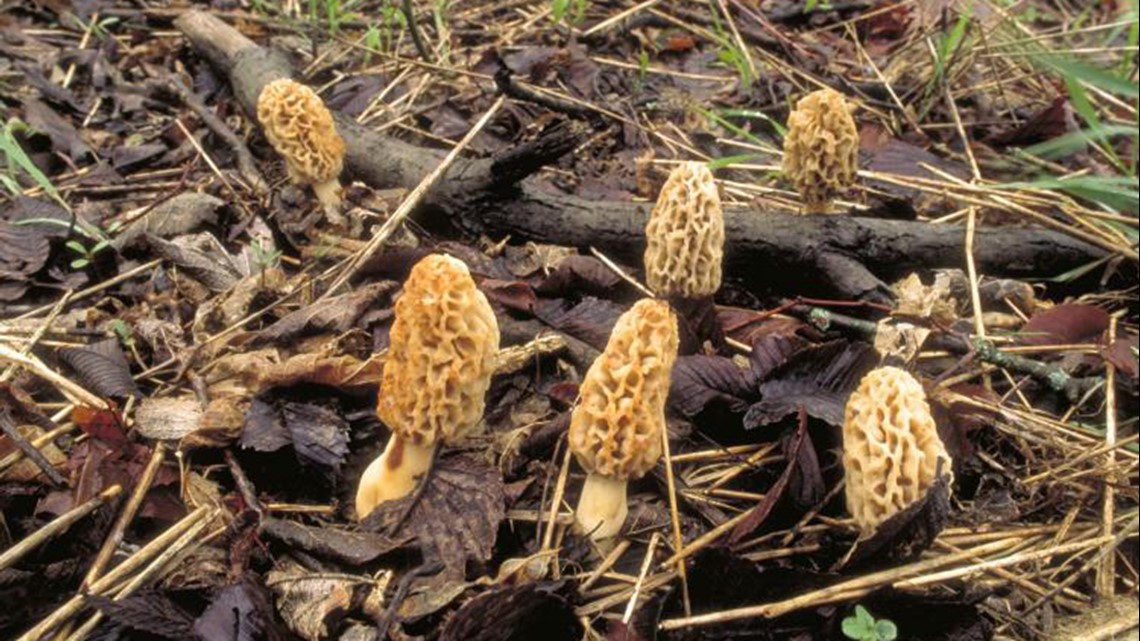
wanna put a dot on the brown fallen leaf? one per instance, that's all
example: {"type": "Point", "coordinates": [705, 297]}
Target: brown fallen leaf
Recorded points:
{"type": "Point", "coordinates": [102, 368]}
{"type": "Point", "coordinates": [516, 612]}
{"type": "Point", "coordinates": [1065, 324]}
{"type": "Point", "coordinates": [455, 516]}
{"type": "Point", "coordinates": [168, 418]}
{"type": "Point", "coordinates": [23, 252]}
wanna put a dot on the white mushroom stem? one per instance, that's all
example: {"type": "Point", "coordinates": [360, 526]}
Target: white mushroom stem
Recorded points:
{"type": "Point", "coordinates": [393, 475]}
{"type": "Point", "coordinates": [602, 509]}
{"type": "Point", "coordinates": [328, 194]}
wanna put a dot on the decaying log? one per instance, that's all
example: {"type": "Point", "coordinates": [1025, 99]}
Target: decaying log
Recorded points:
{"type": "Point", "coordinates": [844, 256]}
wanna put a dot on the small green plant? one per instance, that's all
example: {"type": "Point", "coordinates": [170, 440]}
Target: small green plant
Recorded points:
{"type": "Point", "coordinates": [123, 332]}
{"type": "Point", "coordinates": [16, 161]}
{"type": "Point", "coordinates": [862, 626]}
{"type": "Point", "coordinates": [100, 241]}
{"type": "Point", "coordinates": [332, 13]}
{"type": "Point", "coordinates": [569, 12]}
{"type": "Point", "coordinates": [265, 257]}
{"type": "Point", "coordinates": [383, 35]}
{"type": "Point", "coordinates": [730, 54]}
{"type": "Point", "coordinates": [101, 29]}
{"type": "Point", "coordinates": [642, 70]}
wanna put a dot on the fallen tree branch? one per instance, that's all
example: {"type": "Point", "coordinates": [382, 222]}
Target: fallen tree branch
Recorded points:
{"type": "Point", "coordinates": [1073, 387]}
{"type": "Point", "coordinates": [841, 256]}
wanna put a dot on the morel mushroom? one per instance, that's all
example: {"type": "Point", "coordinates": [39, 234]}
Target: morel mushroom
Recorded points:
{"type": "Point", "coordinates": [301, 129]}
{"type": "Point", "coordinates": [617, 425]}
{"type": "Point", "coordinates": [821, 149]}
{"type": "Point", "coordinates": [891, 448]}
{"type": "Point", "coordinates": [443, 345]}
{"type": "Point", "coordinates": [685, 235]}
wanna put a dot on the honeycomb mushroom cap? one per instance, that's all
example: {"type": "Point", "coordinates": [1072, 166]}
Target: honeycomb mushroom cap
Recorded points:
{"type": "Point", "coordinates": [821, 149]}
{"type": "Point", "coordinates": [615, 429]}
{"type": "Point", "coordinates": [891, 446]}
{"type": "Point", "coordinates": [685, 235]}
{"type": "Point", "coordinates": [301, 129]}
{"type": "Point", "coordinates": [443, 345]}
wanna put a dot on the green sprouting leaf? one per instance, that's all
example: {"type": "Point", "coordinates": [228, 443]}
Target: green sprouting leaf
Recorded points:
{"type": "Point", "coordinates": [76, 246]}
{"type": "Point", "coordinates": [854, 628]}
{"type": "Point", "coordinates": [1087, 74]}
{"type": "Point", "coordinates": [80, 263]}
{"type": "Point", "coordinates": [1117, 192]}
{"type": "Point", "coordinates": [15, 157]}
{"type": "Point", "coordinates": [728, 161]}
{"type": "Point", "coordinates": [756, 115]}
{"type": "Point", "coordinates": [1076, 141]}
{"type": "Point", "coordinates": [886, 630]}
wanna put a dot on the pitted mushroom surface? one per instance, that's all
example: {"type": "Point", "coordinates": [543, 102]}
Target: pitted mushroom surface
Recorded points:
{"type": "Point", "coordinates": [441, 357]}
{"type": "Point", "coordinates": [891, 447]}
{"type": "Point", "coordinates": [685, 235]}
{"type": "Point", "coordinates": [821, 149]}
{"type": "Point", "coordinates": [301, 129]}
{"type": "Point", "coordinates": [617, 425]}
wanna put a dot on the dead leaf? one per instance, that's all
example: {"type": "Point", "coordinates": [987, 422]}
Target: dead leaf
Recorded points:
{"type": "Point", "coordinates": [340, 372]}
{"type": "Point", "coordinates": [1053, 121]}
{"type": "Point", "coordinates": [239, 612]}
{"type": "Point", "coordinates": [516, 613]}
{"type": "Point", "coordinates": [515, 295]}
{"type": "Point", "coordinates": [455, 517]}
{"type": "Point", "coordinates": [819, 378]}
{"type": "Point", "coordinates": [429, 599]}
{"type": "Point", "coordinates": [168, 418]}
{"type": "Point", "coordinates": [337, 314]}
{"type": "Point", "coordinates": [898, 340]}
{"type": "Point", "coordinates": [148, 611]}
{"type": "Point", "coordinates": [590, 320]}
{"type": "Point", "coordinates": [577, 275]}
{"type": "Point", "coordinates": [182, 214]}
{"type": "Point", "coordinates": [749, 326]}
{"type": "Point", "coordinates": [23, 407]}
{"type": "Point", "coordinates": [759, 514]}
{"type": "Point", "coordinates": [957, 419]}
{"type": "Point", "coordinates": [23, 252]}
{"type": "Point", "coordinates": [216, 275]}
{"type": "Point", "coordinates": [332, 543]}
{"type": "Point", "coordinates": [908, 533]}
{"type": "Point", "coordinates": [314, 606]}
{"type": "Point", "coordinates": [127, 158]}
{"type": "Point", "coordinates": [319, 436]}
{"type": "Point", "coordinates": [1065, 325]}
{"type": "Point", "coordinates": [103, 424]}
{"type": "Point", "coordinates": [102, 368]}
{"type": "Point", "coordinates": [699, 381]}
{"type": "Point", "coordinates": [935, 302]}
{"type": "Point", "coordinates": [65, 138]}
{"type": "Point", "coordinates": [1122, 355]}
{"type": "Point", "coordinates": [892, 156]}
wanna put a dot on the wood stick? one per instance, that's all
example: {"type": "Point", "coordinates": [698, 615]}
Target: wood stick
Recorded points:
{"type": "Point", "coordinates": [56, 526]}
{"type": "Point", "coordinates": [843, 256]}
{"type": "Point", "coordinates": [115, 536]}
{"type": "Point", "coordinates": [8, 426]}
{"type": "Point", "coordinates": [114, 577]}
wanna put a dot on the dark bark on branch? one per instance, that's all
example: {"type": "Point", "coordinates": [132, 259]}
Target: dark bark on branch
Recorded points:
{"type": "Point", "coordinates": [840, 256]}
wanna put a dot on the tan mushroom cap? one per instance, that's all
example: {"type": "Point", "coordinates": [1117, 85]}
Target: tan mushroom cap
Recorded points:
{"type": "Point", "coordinates": [616, 427]}
{"type": "Point", "coordinates": [301, 129]}
{"type": "Point", "coordinates": [442, 351]}
{"type": "Point", "coordinates": [891, 446]}
{"type": "Point", "coordinates": [685, 235]}
{"type": "Point", "coordinates": [821, 149]}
